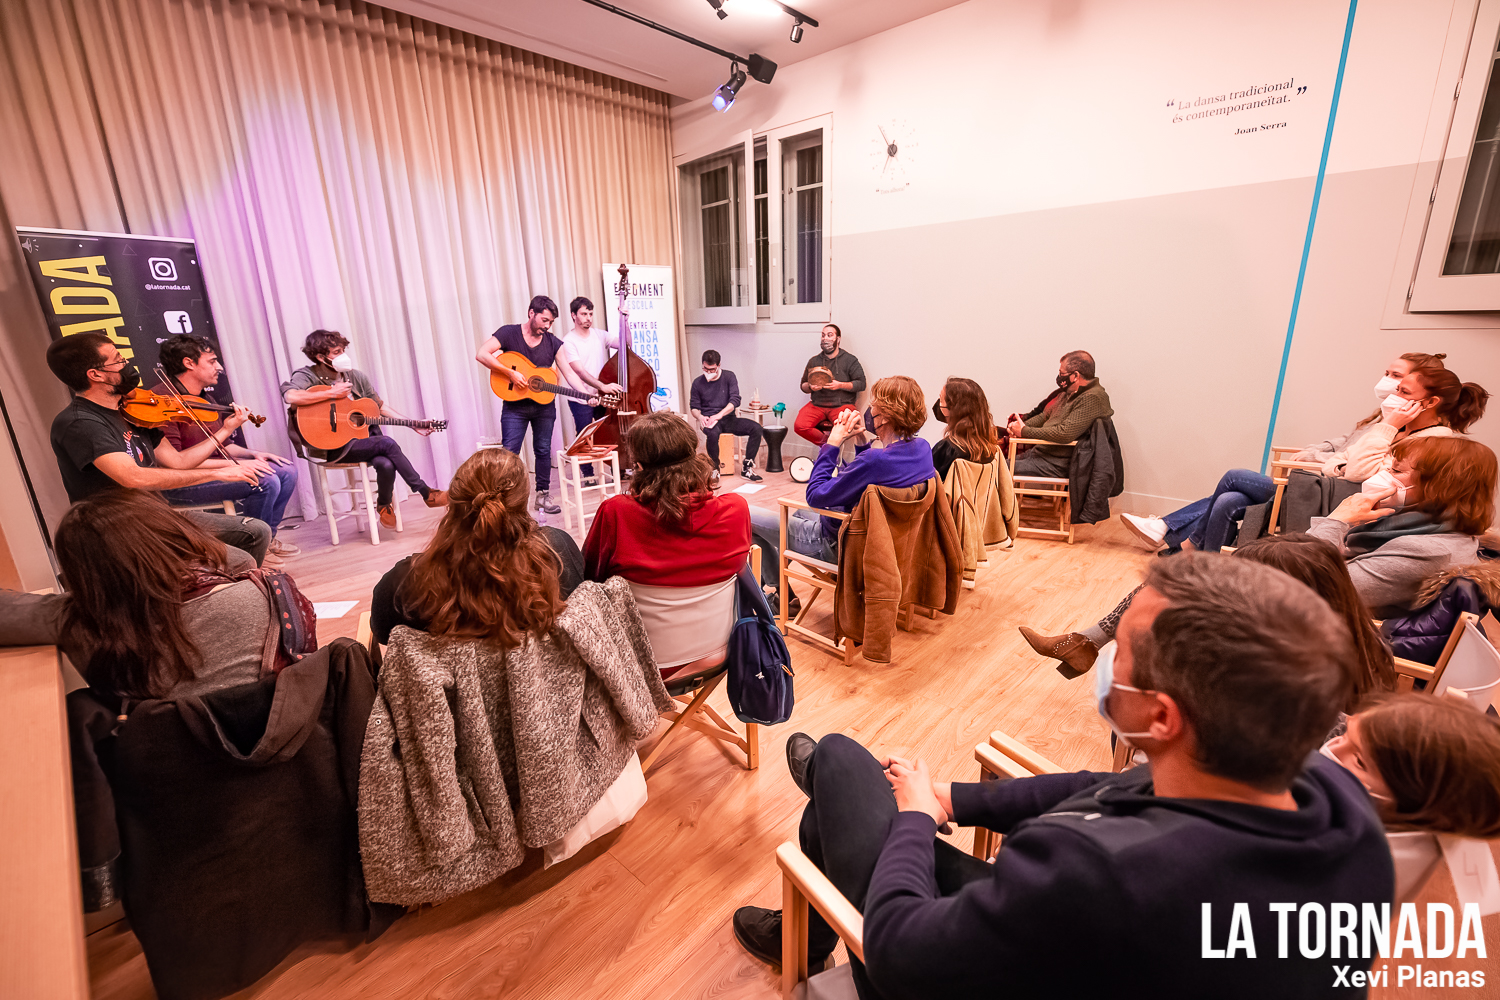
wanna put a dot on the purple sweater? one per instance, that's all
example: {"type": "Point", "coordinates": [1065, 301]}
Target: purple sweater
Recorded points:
{"type": "Point", "coordinates": [1099, 890]}
{"type": "Point", "coordinates": [905, 463]}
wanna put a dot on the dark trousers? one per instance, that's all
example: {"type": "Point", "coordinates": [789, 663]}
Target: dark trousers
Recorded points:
{"type": "Point", "coordinates": [583, 415]}
{"type": "Point", "coordinates": [515, 418]}
{"type": "Point", "coordinates": [266, 501]}
{"type": "Point", "coordinates": [738, 426]}
{"type": "Point", "coordinates": [843, 831]}
{"type": "Point", "coordinates": [245, 533]}
{"type": "Point", "coordinates": [386, 458]}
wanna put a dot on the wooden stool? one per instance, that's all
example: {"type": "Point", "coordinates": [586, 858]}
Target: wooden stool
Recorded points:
{"type": "Point", "coordinates": [359, 480]}
{"type": "Point", "coordinates": [213, 506]}
{"type": "Point", "coordinates": [570, 478]}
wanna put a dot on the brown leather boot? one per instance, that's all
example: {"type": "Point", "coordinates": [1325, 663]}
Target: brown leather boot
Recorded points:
{"type": "Point", "coordinates": [437, 498]}
{"type": "Point", "coordinates": [387, 516]}
{"type": "Point", "coordinates": [1077, 651]}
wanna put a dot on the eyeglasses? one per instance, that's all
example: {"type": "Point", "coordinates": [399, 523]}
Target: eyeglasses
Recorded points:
{"type": "Point", "coordinates": [104, 367]}
{"type": "Point", "coordinates": [709, 370]}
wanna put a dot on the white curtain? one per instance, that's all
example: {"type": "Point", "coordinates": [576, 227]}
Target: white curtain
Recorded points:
{"type": "Point", "coordinates": [341, 166]}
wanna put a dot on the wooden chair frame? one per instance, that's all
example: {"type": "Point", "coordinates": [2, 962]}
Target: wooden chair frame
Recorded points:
{"type": "Point", "coordinates": [819, 575]}
{"type": "Point", "coordinates": [1280, 469]}
{"type": "Point", "coordinates": [1409, 671]}
{"type": "Point", "coordinates": [691, 691]}
{"type": "Point", "coordinates": [1001, 759]}
{"type": "Point", "coordinates": [227, 506]}
{"type": "Point", "coordinates": [1047, 488]}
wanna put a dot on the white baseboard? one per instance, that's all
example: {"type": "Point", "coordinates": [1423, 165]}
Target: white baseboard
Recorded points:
{"type": "Point", "coordinates": [1145, 503]}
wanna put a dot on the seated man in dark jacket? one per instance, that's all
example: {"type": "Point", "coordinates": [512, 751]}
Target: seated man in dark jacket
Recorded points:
{"type": "Point", "coordinates": [1236, 834]}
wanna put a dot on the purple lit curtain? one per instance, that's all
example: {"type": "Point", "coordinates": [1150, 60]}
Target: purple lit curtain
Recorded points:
{"type": "Point", "coordinates": [340, 166]}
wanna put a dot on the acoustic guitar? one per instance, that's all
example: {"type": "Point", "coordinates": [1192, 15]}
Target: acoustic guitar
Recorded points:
{"type": "Point", "coordinates": [331, 424]}
{"type": "Point", "coordinates": [541, 383]}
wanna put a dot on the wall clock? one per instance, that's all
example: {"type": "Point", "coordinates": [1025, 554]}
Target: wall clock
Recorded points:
{"type": "Point", "coordinates": [894, 151]}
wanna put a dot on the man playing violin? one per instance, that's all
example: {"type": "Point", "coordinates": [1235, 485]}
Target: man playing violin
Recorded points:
{"type": "Point", "coordinates": [98, 449]}
{"type": "Point", "coordinates": [833, 379]}
{"type": "Point", "coordinates": [534, 340]}
{"type": "Point", "coordinates": [193, 366]}
{"type": "Point", "coordinates": [332, 375]}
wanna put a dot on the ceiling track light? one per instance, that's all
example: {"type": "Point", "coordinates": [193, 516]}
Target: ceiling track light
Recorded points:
{"type": "Point", "coordinates": [723, 98]}
{"type": "Point", "coordinates": [718, 6]}
{"type": "Point", "coordinates": [796, 32]}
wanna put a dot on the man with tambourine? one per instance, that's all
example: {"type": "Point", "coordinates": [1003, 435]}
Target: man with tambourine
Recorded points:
{"type": "Point", "coordinates": [833, 378]}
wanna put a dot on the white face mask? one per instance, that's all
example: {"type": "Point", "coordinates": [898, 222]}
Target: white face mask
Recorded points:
{"type": "Point", "coordinates": [1385, 387]}
{"type": "Point", "coordinates": [1383, 482]}
{"type": "Point", "coordinates": [343, 362]}
{"type": "Point", "coordinates": [713, 376]}
{"type": "Point", "coordinates": [1104, 683]}
{"type": "Point", "coordinates": [1327, 751]}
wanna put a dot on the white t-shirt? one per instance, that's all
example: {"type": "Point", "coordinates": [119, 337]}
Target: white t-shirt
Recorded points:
{"type": "Point", "coordinates": [592, 349]}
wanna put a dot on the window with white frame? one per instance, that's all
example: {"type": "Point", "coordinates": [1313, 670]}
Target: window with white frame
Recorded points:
{"type": "Point", "coordinates": [717, 280]}
{"type": "Point", "coordinates": [799, 247]}
{"type": "Point", "coordinates": [762, 229]}
{"type": "Point", "coordinates": [1458, 269]}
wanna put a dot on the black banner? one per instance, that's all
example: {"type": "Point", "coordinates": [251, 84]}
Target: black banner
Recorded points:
{"type": "Point", "coordinates": [139, 290]}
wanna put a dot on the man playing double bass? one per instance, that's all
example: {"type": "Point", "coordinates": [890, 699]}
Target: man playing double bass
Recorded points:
{"type": "Point", "coordinates": [535, 341]}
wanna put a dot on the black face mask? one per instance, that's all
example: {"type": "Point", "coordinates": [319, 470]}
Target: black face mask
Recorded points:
{"type": "Point", "coordinates": [1062, 381]}
{"type": "Point", "coordinates": [869, 420]}
{"type": "Point", "coordinates": [130, 378]}
{"type": "Point", "coordinates": [937, 411]}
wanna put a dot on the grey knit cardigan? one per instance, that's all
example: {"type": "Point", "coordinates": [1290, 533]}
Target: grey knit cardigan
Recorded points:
{"type": "Point", "coordinates": [473, 755]}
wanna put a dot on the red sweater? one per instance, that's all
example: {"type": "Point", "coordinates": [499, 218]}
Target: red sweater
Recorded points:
{"type": "Point", "coordinates": [627, 540]}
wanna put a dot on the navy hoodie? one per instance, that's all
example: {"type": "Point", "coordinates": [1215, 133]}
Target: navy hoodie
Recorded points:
{"type": "Point", "coordinates": [1100, 886]}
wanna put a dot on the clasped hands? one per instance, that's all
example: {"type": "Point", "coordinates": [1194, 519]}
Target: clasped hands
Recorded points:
{"type": "Point", "coordinates": [846, 424]}
{"type": "Point", "coordinates": [917, 792]}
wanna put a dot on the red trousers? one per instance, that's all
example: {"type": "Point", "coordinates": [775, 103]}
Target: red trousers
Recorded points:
{"type": "Point", "coordinates": [810, 416]}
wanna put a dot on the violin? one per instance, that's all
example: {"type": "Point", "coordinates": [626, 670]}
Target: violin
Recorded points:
{"type": "Point", "coordinates": [149, 409]}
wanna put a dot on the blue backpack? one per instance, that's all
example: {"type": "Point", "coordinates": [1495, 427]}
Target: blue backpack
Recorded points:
{"type": "Point", "coordinates": [760, 667]}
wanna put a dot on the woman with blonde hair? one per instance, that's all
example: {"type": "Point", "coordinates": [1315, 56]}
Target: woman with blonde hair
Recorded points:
{"type": "Point", "coordinates": [490, 571]}
{"type": "Point", "coordinates": [970, 430]}
{"type": "Point", "coordinates": [897, 412]}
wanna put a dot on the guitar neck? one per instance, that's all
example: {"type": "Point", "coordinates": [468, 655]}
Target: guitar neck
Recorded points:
{"type": "Point", "coordinates": [399, 422]}
{"type": "Point", "coordinates": [563, 390]}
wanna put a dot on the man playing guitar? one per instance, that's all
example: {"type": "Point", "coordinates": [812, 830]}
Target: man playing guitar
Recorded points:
{"type": "Point", "coordinates": [332, 375]}
{"type": "Point", "coordinates": [535, 341]}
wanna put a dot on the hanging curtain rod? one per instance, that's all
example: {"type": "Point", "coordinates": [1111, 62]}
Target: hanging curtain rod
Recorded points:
{"type": "Point", "coordinates": [670, 31]}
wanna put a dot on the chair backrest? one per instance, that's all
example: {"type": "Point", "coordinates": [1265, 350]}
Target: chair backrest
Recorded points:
{"type": "Point", "coordinates": [1473, 666]}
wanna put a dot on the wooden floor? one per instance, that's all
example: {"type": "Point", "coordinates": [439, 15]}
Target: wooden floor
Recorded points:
{"type": "Point", "coordinates": [645, 912]}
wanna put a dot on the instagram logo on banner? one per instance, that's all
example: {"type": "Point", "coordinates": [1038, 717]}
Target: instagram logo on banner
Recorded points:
{"type": "Point", "coordinates": [162, 268]}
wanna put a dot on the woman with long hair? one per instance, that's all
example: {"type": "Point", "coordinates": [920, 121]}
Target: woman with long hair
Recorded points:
{"type": "Point", "coordinates": [1309, 560]}
{"type": "Point", "coordinates": [489, 572]}
{"type": "Point", "coordinates": [969, 433]}
{"type": "Point", "coordinates": [897, 413]}
{"type": "Point", "coordinates": [677, 544]}
{"type": "Point", "coordinates": [1431, 765]}
{"type": "Point", "coordinates": [1207, 523]}
{"type": "Point", "coordinates": [1430, 402]}
{"type": "Point", "coordinates": [152, 609]}
{"type": "Point", "coordinates": [1440, 499]}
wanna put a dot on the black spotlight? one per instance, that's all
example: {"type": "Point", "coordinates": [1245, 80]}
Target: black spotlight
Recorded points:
{"type": "Point", "coordinates": [761, 68]}
{"type": "Point", "coordinates": [796, 32]}
{"type": "Point", "coordinates": [718, 6]}
{"type": "Point", "coordinates": [724, 96]}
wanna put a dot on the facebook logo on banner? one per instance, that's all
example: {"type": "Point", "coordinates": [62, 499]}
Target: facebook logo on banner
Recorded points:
{"type": "Point", "coordinates": [177, 321]}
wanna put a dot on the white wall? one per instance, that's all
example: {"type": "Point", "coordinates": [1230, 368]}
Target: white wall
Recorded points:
{"type": "Point", "coordinates": [1055, 204]}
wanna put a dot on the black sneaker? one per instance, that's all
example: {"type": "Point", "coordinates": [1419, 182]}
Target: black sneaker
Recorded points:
{"type": "Point", "coordinates": [758, 930]}
{"type": "Point", "coordinates": [747, 472]}
{"type": "Point", "coordinates": [799, 751]}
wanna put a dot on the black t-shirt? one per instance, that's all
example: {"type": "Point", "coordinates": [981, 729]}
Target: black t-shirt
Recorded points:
{"type": "Point", "coordinates": [84, 431]}
{"type": "Point", "coordinates": [543, 355]}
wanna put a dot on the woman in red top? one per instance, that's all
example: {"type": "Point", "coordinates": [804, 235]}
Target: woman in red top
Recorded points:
{"type": "Point", "coordinates": [676, 544]}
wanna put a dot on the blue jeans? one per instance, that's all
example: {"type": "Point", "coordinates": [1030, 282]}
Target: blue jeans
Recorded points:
{"type": "Point", "coordinates": [1207, 522]}
{"type": "Point", "coordinates": [515, 418]}
{"type": "Point", "coordinates": [804, 533]}
{"type": "Point", "coordinates": [265, 502]}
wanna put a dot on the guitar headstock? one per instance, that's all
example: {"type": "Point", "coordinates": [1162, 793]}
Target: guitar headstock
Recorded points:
{"type": "Point", "coordinates": [611, 400]}
{"type": "Point", "coordinates": [437, 425]}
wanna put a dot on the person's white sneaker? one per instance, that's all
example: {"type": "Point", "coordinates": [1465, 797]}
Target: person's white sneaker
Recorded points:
{"type": "Point", "coordinates": [1151, 530]}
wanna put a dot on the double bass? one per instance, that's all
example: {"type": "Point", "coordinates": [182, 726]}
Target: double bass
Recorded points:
{"type": "Point", "coordinates": [636, 379]}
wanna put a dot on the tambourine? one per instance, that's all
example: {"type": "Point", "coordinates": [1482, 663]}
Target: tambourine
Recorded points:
{"type": "Point", "coordinates": [819, 378]}
{"type": "Point", "coordinates": [801, 469]}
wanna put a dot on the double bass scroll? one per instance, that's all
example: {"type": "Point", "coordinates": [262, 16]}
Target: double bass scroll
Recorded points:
{"type": "Point", "coordinates": [635, 377]}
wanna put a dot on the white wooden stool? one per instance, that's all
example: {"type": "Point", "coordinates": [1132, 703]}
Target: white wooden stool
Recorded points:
{"type": "Point", "coordinates": [212, 506]}
{"type": "Point", "coordinates": [570, 478]}
{"type": "Point", "coordinates": [359, 480]}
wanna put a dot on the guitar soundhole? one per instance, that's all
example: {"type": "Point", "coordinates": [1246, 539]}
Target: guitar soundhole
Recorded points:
{"type": "Point", "coordinates": [356, 419]}
{"type": "Point", "coordinates": [536, 383]}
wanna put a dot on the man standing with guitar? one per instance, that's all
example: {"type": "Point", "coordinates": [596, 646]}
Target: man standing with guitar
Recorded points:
{"type": "Point", "coordinates": [535, 341]}
{"type": "Point", "coordinates": [833, 378]}
{"type": "Point", "coordinates": [331, 376]}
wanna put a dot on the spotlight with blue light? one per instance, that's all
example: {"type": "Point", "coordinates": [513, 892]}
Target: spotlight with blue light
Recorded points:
{"type": "Point", "coordinates": [724, 96]}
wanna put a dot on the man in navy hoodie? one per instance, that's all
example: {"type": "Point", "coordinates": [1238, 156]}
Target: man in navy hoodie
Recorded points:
{"type": "Point", "coordinates": [1214, 870]}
